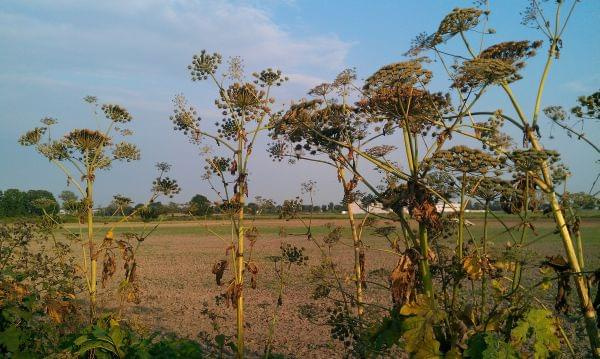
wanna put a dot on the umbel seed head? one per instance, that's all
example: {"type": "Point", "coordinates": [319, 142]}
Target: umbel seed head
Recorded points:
{"type": "Point", "coordinates": [32, 137]}
{"type": "Point", "coordinates": [204, 65]}
{"type": "Point", "coordinates": [86, 139]}
{"type": "Point", "coordinates": [116, 113]}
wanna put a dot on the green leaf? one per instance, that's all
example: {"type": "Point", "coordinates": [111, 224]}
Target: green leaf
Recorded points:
{"type": "Point", "coordinates": [428, 350]}
{"type": "Point", "coordinates": [387, 333]}
{"type": "Point", "coordinates": [116, 335]}
{"type": "Point", "coordinates": [220, 339]}
{"type": "Point", "coordinates": [489, 346]}
{"type": "Point", "coordinates": [11, 338]}
{"type": "Point", "coordinates": [79, 341]}
{"type": "Point", "coordinates": [95, 344]}
{"type": "Point", "coordinates": [418, 331]}
{"type": "Point", "coordinates": [537, 326]}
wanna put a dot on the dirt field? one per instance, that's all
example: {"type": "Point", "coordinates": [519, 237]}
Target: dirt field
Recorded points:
{"type": "Point", "coordinates": [178, 287]}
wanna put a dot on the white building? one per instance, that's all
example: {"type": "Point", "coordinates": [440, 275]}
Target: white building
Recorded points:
{"type": "Point", "coordinates": [376, 208]}
{"type": "Point", "coordinates": [443, 207]}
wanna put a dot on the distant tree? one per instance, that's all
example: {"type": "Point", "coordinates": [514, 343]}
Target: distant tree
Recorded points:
{"type": "Point", "coordinates": [265, 205]}
{"type": "Point", "coordinates": [324, 208]}
{"type": "Point", "coordinates": [582, 200]}
{"type": "Point", "coordinates": [331, 207]}
{"type": "Point", "coordinates": [16, 203]}
{"type": "Point", "coordinates": [252, 208]}
{"type": "Point", "coordinates": [172, 208]}
{"type": "Point", "coordinates": [13, 203]}
{"type": "Point", "coordinates": [67, 196]}
{"type": "Point", "coordinates": [70, 201]}
{"type": "Point", "coordinates": [40, 201]}
{"type": "Point", "coordinates": [119, 206]}
{"type": "Point", "coordinates": [151, 211]}
{"type": "Point", "coordinates": [200, 206]}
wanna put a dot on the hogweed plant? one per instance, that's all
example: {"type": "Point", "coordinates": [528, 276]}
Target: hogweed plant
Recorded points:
{"type": "Point", "coordinates": [500, 65]}
{"type": "Point", "coordinates": [296, 139]}
{"type": "Point", "coordinates": [246, 109]}
{"type": "Point", "coordinates": [290, 255]}
{"type": "Point", "coordinates": [80, 155]}
{"type": "Point", "coordinates": [329, 281]}
{"type": "Point", "coordinates": [397, 97]}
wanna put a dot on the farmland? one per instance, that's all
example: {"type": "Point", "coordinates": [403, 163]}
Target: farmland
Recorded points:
{"type": "Point", "coordinates": [179, 288]}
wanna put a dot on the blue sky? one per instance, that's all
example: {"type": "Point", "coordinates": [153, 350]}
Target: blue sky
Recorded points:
{"type": "Point", "coordinates": [135, 53]}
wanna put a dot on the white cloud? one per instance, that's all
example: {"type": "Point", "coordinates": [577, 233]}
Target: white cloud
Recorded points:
{"type": "Point", "coordinates": [154, 35]}
{"type": "Point", "coordinates": [135, 53]}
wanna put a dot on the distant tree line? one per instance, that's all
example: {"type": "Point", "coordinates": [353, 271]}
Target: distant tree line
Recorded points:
{"type": "Point", "coordinates": [16, 203]}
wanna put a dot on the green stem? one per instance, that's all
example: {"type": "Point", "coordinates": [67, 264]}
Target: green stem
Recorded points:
{"type": "Point", "coordinates": [92, 251]}
{"type": "Point", "coordinates": [424, 262]}
{"type": "Point", "coordinates": [484, 252]}
{"type": "Point", "coordinates": [461, 219]}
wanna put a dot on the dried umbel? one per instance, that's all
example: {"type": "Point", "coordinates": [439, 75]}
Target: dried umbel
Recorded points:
{"type": "Point", "coordinates": [463, 159]}
{"type": "Point", "coordinates": [32, 137]}
{"type": "Point", "coordinates": [512, 199]}
{"type": "Point", "coordinates": [588, 107]}
{"type": "Point", "coordinates": [487, 188]}
{"type": "Point", "coordinates": [490, 134]}
{"type": "Point", "coordinates": [290, 208]}
{"type": "Point", "coordinates": [295, 121]}
{"type": "Point", "coordinates": [532, 159]}
{"type": "Point", "coordinates": [418, 110]}
{"type": "Point", "coordinates": [269, 77]}
{"type": "Point", "coordinates": [317, 126]}
{"type": "Point", "coordinates": [85, 140]}
{"type": "Point", "coordinates": [235, 68]}
{"type": "Point", "coordinates": [277, 150]}
{"type": "Point", "coordinates": [204, 65]}
{"type": "Point", "coordinates": [166, 186]}
{"type": "Point", "coordinates": [218, 165]}
{"type": "Point", "coordinates": [380, 151]}
{"type": "Point", "coordinates": [442, 182]}
{"type": "Point", "coordinates": [163, 167]}
{"type": "Point", "coordinates": [345, 78]}
{"type": "Point", "coordinates": [121, 202]}
{"type": "Point", "coordinates": [49, 121]}
{"type": "Point", "coordinates": [406, 74]}
{"type": "Point", "coordinates": [126, 151]}
{"type": "Point", "coordinates": [54, 150]}
{"type": "Point", "coordinates": [243, 101]}
{"type": "Point", "coordinates": [293, 255]}
{"type": "Point", "coordinates": [459, 20]}
{"type": "Point", "coordinates": [334, 234]}
{"type": "Point", "coordinates": [497, 64]}
{"type": "Point", "coordinates": [116, 113]}
{"type": "Point", "coordinates": [321, 90]}
{"type": "Point", "coordinates": [185, 118]}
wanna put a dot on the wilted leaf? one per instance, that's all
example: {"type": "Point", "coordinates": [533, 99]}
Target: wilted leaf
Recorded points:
{"type": "Point", "coordinates": [218, 270]}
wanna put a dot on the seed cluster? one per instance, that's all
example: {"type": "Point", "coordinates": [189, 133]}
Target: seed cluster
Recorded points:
{"type": "Point", "coordinates": [204, 65]}
{"type": "Point", "coordinates": [499, 63]}
{"type": "Point", "coordinates": [116, 113]}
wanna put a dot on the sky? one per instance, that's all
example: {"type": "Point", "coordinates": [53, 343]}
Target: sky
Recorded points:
{"type": "Point", "coordinates": [135, 53]}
